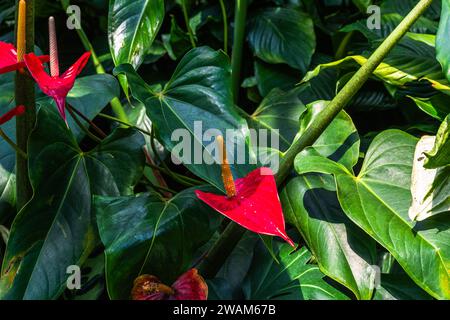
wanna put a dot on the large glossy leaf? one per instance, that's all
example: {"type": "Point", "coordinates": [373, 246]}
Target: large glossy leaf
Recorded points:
{"type": "Point", "coordinates": [196, 99]}
{"type": "Point", "coordinates": [442, 47]}
{"type": "Point", "coordinates": [430, 188]}
{"type": "Point", "coordinates": [274, 36]}
{"type": "Point", "coordinates": [292, 279]}
{"type": "Point", "coordinates": [339, 142]}
{"type": "Point", "coordinates": [279, 111]}
{"type": "Point", "coordinates": [144, 234]}
{"type": "Point", "coordinates": [377, 200]}
{"type": "Point", "coordinates": [439, 156]}
{"type": "Point", "coordinates": [132, 27]}
{"type": "Point", "coordinates": [55, 229]}
{"type": "Point", "coordinates": [343, 251]}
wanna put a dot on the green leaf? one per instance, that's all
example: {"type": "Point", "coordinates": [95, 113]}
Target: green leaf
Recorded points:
{"type": "Point", "coordinates": [377, 200]}
{"type": "Point", "coordinates": [343, 251]}
{"type": "Point", "coordinates": [269, 77]}
{"type": "Point", "coordinates": [274, 36]}
{"type": "Point", "coordinates": [442, 47]}
{"type": "Point", "coordinates": [399, 287]}
{"type": "Point", "coordinates": [280, 113]}
{"type": "Point", "coordinates": [197, 98]}
{"type": "Point", "coordinates": [132, 28]}
{"type": "Point", "coordinates": [408, 62]}
{"type": "Point", "coordinates": [403, 7]}
{"type": "Point", "coordinates": [144, 234]}
{"type": "Point", "coordinates": [440, 155]}
{"type": "Point", "coordinates": [438, 106]}
{"type": "Point", "coordinates": [292, 279]}
{"type": "Point", "coordinates": [55, 229]}
{"type": "Point", "coordinates": [339, 142]}
{"type": "Point", "coordinates": [389, 21]}
{"type": "Point", "coordinates": [430, 188]}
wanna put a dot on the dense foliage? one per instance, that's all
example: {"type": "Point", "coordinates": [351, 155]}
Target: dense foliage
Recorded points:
{"type": "Point", "coordinates": [368, 204]}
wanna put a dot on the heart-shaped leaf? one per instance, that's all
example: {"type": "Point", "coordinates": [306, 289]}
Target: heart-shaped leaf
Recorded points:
{"type": "Point", "coordinates": [132, 28]}
{"type": "Point", "coordinates": [293, 278]}
{"type": "Point", "coordinates": [144, 234]}
{"type": "Point", "coordinates": [196, 100]}
{"type": "Point", "coordinates": [377, 200]}
{"type": "Point", "coordinates": [55, 229]}
{"type": "Point", "coordinates": [343, 251]}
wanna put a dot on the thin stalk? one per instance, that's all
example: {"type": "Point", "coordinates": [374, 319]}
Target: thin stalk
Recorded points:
{"type": "Point", "coordinates": [188, 26]}
{"type": "Point", "coordinates": [25, 95]}
{"type": "Point", "coordinates": [125, 123]}
{"type": "Point", "coordinates": [340, 52]}
{"type": "Point", "coordinates": [82, 127]}
{"type": "Point", "coordinates": [238, 45]}
{"type": "Point", "coordinates": [225, 25]}
{"type": "Point", "coordinates": [115, 103]}
{"type": "Point", "coordinates": [233, 233]}
{"type": "Point", "coordinates": [91, 123]}
{"type": "Point", "coordinates": [8, 140]}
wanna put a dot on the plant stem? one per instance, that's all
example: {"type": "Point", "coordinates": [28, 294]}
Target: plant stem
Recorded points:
{"type": "Point", "coordinates": [8, 140]}
{"type": "Point", "coordinates": [326, 116]}
{"type": "Point", "coordinates": [233, 233]}
{"type": "Point", "coordinates": [188, 26]}
{"type": "Point", "coordinates": [25, 95]}
{"type": "Point", "coordinates": [116, 105]}
{"type": "Point", "coordinates": [86, 119]}
{"type": "Point", "coordinates": [125, 123]}
{"type": "Point", "coordinates": [82, 127]}
{"type": "Point", "coordinates": [225, 26]}
{"type": "Point", "coordinates": [238, 45]}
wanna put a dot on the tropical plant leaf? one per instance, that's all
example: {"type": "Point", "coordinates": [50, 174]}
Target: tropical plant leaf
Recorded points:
{"type": "Point", "coordinates": [430, 188]}
{"type": "Point", "coordinates": [377, 200]}
{"type": "Point", "coordinates": [292, 279]}
{"type": "Point", "coordinates": [399, 287]}
{"type": "Point", "coordinates": [273, 36]}
{"type": "Point", "coordinates": [132, 28]}
{"type": "Point", "coordinates": [439, 156]}
{"type": "Point", "coordinates": [144, 234]}
{"type": "Point", "coordinates": [196, 99]}
{"type": "Point", "coordinates": [343, 251]}
{"type": "Point", "coordinates": [55, 229]}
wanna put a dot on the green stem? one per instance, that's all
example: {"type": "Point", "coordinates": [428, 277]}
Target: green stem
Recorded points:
{"type": "Point", "coordinates": [125, 123]}
{"type": "Point", "coordinates": [226, 242]}
{"type": "Point", "coordinates": [8, 140]}
{"type": "Point", "coordinates": [87, 120]}
{"type": "Point", "coordinates": [25, 95]}
{"type": "Point", "coordinates": [340, 52]}
{"type": "Point", "coordinates": [225, 26]}
{"type": "Point", "coordinates": [116, 105]}
{"type": "Point", "coordinates": [82, 127]}
{"type": "Point", "coordinates": [188, 26]}
{"type": "Point", "coordinates": [238, 45]}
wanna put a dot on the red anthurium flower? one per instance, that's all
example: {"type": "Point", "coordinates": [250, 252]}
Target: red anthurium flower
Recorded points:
{"type": "Point", "coordinates": [189, 286]}
{"type": "Point", "coordinates": [252, 201]}
{"type": "Point", "coordinates": [17, 111]}
{"type": "Point", "coordinates": [56, 87]}
{"type": "Point", "coordinates": [8, 58]}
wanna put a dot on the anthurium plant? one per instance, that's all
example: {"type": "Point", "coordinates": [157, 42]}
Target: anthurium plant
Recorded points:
{"type": "Point", "coordinates": [225, 149]}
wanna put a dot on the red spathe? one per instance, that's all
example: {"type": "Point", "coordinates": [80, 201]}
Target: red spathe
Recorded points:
{"type": "Point", "coordinates": [256, 205]}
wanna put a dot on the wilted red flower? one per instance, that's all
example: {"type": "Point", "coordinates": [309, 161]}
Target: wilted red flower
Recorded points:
{"type": "Point", "coordinates": [8, 58]}
{"type": "Point", "coordinates": [56, 87]}
{"type": "Point", "coordinates": [17, 111]}
{"type": "Point", "coordinates": [252, 201]}
{"type": "Point", "coordinates": [189, 286]}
